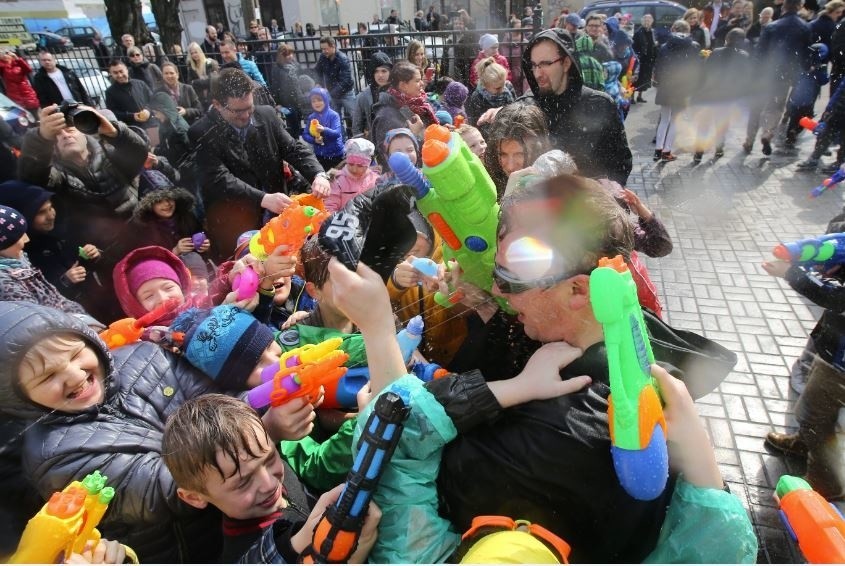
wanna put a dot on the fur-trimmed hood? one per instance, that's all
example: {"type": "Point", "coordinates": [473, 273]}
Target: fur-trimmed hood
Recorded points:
{"type": "Point", "coordinates": [184, 203]}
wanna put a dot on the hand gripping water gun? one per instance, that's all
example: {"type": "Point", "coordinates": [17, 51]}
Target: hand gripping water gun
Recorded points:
{"type": "Point", "coordinates": [829, 183]}
{"type": "Point", "coordinates": [815, 126]}
{"type": "Point", "coordinates": [635, 413]}
{"type": "Point", "coordinates": [65, 523]}
{"type": "Point", "coordinates": [336, 535]}
{"type": "Point", "coordinates": [300, 373]}
{"type": "Point", "coordinates": [458, 198]}
{"type": "Point", "coordinates": [289, 228]}
{"type": "Point", "coordinates": [816, 524]}
{"type": "Point", "coordinates": [315, 133]}
{"type": "Point", "coordinates": [828, 250]}
{"type": "Point", "coordinates": [129, 330]}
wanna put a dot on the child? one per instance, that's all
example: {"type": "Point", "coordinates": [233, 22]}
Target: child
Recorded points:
{"type": "Point", "coordinates": [147, 277]}
{"type": "Point", "coordinates": [803, 97]}
{"type": "Point", "coordinates": [356, 177]}
{"type": "Point", "coordinates": [328, 143]}
{"type": "Point", "coordinates": [221, 456]}
{"type": "Point", "coordinates": [473, 138]}
{"type": "Point", "coordinates": [51, 249]}
{"type": "Point", "coordinates": [94, 409]}
{"type": "Point", "coordinates": [398, 139]}
{"type": "Point", "coordinates": [454, 98]}
{"type": "Point", "coordinates": [19, 280]}
{"type": "Point", "coordinates": [613, 87]}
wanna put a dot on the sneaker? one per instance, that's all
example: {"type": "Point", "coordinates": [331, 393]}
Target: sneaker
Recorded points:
{"type": "Point", "coordinates": [767, 146]}
{"type": "Point", "coordinates": [809, 164]}
{"type": "Point", "coordinates": [787, 444]}
{"type": "Point", "coordinates": [720, 152]}
{"type": "Point", "coordinates": [667, 156]}
{"type": "Point", "coordinates": [746, 147]}
{"type": "Point", "coordinates": [696, 158]}
{"type": "Point", "coordinates": [831, 169]}
{"type": "Point", "coordinates": [658, 154]}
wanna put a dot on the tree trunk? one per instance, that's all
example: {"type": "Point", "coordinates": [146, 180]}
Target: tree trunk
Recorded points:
{"type": "Point", "coordinates": [166, 13]}
{"type": "Point", "coordinates": [124, 16]}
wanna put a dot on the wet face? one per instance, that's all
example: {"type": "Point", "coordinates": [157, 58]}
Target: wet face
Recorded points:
{"type": "Point", "coordinates": [317, 103]}
{"type": "Point", "coordinates": [45, 219]}
{"type": "Point", "coordinates": [381, 76]}
{"type": "Point", "coordinates": [48, 62]}
{"type": "Point", "coordinates": [403, 144]}
{"type": "Point", "coordinates": [71, 380]}
{"type": "Point", "coordinates": [228, 54]}
{"type": "Point", "coordinates": [550, 68]}
{"type": "Point", "coordinates": [15, 251]}
{"type": "Point", "coordinates": [164, 208]}
{"type": "Point", "coordinates": [476, 143]}
{"type": "Point", "coordinates": [119, 74]}
{"type": "Point", "coordinates": [237, 111]}
{"type": "Point", "coordinates": [155, 292]}
{"type": "Point", "coordinates": [171, 75]}
{"type": "Point", "coordinates": [511, 156]}
{"type": "Point", "coordinates": [413, 87]}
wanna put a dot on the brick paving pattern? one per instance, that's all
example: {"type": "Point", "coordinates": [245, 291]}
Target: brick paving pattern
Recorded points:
{"type": "Point", "coordinates": [724, 217]}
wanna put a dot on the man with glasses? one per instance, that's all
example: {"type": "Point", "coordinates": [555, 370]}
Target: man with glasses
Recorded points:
{"type": "Point", "coordinates": [598, 33]}
{"type": "Point", "coordinates": [241, 149]}
{"type": "Point", "coordinates": [582, 122]}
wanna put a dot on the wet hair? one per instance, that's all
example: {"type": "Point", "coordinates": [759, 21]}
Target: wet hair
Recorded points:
{"type": "Point", "coordinates": [230, 83]}
{"type": "Point", "coordinates": [203, 427]}
{"type": "Point", "coordinates": [488, 71]}
{"type": "Point", "coordinates": [522, 122]}
{"type": "Point", "coordinates": [402, 72]}
{"type": "Point", "coordinates": [315, 262]}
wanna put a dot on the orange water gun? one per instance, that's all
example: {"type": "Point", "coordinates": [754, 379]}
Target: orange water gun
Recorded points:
{"type": "Point", "coordinates": [315, 133]}
{"type": "Point", "coordinates": [814, 523]}
{"type": "Point", "coordinates": [627, 80]}
{"type": "Point", "coordinates": [290, 228]}
{"type": "Point", "coordinates": [459, 121]}
{"type": "Point", "coordinates": [129, 330]}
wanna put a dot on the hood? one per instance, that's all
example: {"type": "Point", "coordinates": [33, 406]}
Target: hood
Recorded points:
{"type": "Point", "coordinates": [563, 40]}
{"type": "Point", "coordinates": [379, 59]}
{"type": "Point", "coordinates": [613, 69]}
{"type": "Point", "coordinates": [128, 302]}
{"type": "Point", "coordinates": [162, 102]}
{"type": "Point", "coordinates": [24, 197]}
{"type": "Point", "coordinates": [612, 26]}
{"type": "Point", "coordinates": [22, 325]}
{"type": "Point", "coordinates": [183, 199]}
{"type": "Point", "coordinates": [324, 94]}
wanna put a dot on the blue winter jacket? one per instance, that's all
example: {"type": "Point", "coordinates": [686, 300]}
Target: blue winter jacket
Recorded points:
{"type": "Point", "coordinates": [332, 145]}
{"type": "Point", "coordinates": [251, 69]}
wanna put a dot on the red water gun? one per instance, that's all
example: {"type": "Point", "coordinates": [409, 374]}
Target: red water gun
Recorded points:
{"type": "Point", "coordinates": [129, 330]}
{"type": "Point", "coordinates": [290, 228]}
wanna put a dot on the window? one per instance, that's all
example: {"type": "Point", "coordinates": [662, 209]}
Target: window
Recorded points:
{"type": "Point", "coordinates": [665, 16]}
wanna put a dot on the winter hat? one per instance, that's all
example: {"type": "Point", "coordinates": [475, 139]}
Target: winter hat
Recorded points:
{"type": "Point", "coordinates": [574, 20]}
{"type": "Point", "coordinates": [443, 117]}
{"type": "Point", "coordinates": [195, 264]}
{"type": "Point", "coordinates": [12, 226]}
{"type": "Point", "coordinates": [242, 244]}
{"type": "Point", "coordinates": [388, 137]}
{"type": "Point", "coordinates": [225, 342]}
{"type": "Point", "coordinates": [455, 94]}
{"type": "Point", "coordinates": [26, 198]}
{"type": "Point", "coordinates": [359, 151]}
{"type": "Point", "coordinates": [148, 269]}
{"type": "Point", "coordinates": [126, 270]}
{"type": "Point", "coordinates": [150, 180]}
{"type": "Point", "coordinates": [487, 41]}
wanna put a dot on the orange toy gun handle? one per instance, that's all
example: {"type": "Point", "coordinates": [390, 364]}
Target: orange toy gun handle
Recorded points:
{"type": "Point", "coordinates": [310, 379]}
{"type": "Point", "coordinates": [129, 330]}
{"type": "Point", "coordinates": [814, 523]}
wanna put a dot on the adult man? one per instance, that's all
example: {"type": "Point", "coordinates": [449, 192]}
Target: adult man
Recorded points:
{"type": "Point", "coordinates": [210, 44]}
{"type": "Point", "coordinates": [573, 24]}
{"type": "Point", "coordinates": [101, 51]}
{"type": "Point", "coordinates": [241, 172]}
{"type": "Point", "coordinates": [129, 99]}
{"type": "Point", "coordinates": [54, 83]}
{"type": "Point", "coordinates": [275, 30]}
{"type": "Point", "coordinates": [393, 18]}
{"type": "Point", "coordinates": [582, 122]}
{"type": "Point", "coordinates": [127, 42]}
{"type": "Point", "coordinates": [264, 54]}
{"type": "Point", "coordinates": [335, 74]}
{"type": "Point", "coordinates": [596, 30]}
{"type": "Point", "coordinates": [230, 56]}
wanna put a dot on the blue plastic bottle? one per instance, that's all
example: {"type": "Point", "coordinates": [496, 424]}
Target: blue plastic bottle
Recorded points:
{"type": "Point", "coordinates": [409, 338]}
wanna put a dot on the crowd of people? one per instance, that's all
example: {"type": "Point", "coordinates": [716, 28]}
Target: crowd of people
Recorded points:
{"type": "Point", "coordinates": [152, 207]}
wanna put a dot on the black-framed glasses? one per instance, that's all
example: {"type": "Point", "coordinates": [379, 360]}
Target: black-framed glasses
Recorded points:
{"type": "Point", "coordinates": [240, 111]}
{"type": "Point", "coordinates": [509, 284]}
{"type": "Point", "coordinates": [543, 65]}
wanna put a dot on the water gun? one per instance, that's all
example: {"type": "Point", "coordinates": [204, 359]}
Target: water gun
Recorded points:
{"type": "Point", "coordinates": [816, 524]}
{"type": "Point", "coordinates": [300, 373]}
{"type": "Point", "coordinates": [627, 79]}
{"type": "Point", "coordinates": [289, 228]}
{"type": "Point", "coordinates": [65, 523]}
{"type": "Point", "coordinates": [426, 372]}
{"type": "Point", "coordinates": [336, 535]}
{"type": "Point", "coordinates": [459, 121]}
{"type": "Point", "coordinates": [458, 198]}
{"type": "Point", "coordinates": [198, 240]}
{"type": "Point", "coordinates": [129, 330]}
{"type": "Point", "coordinates": [815, 126]}
{"type": "Point", "coordinates": [245, 284]}
{"type": "Point", "coordinates": [315, 133]}
{"type": "Point", "coordinates": [635, 411]}
{"type": "Point", "coordinates": [828, 250]}
{"type": "Point", "coordinates": [829, 183]}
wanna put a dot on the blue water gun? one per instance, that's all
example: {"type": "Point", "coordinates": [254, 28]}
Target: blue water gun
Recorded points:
{"type": "Point", "coordinates": [827, 250]}
{"type": "Point", "coordinates": [829, 183]}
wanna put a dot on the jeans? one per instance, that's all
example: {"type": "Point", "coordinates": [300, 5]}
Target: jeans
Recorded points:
{"type": "Point", "coordinates": [346, 103]}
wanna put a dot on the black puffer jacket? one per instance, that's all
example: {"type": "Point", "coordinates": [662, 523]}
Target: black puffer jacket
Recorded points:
{"type": "Point", "coordinates": [121, 437]}
{"type": "Point", "coordinates": [583, 122]}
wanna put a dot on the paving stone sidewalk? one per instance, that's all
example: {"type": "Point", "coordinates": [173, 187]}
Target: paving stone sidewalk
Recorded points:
{"type": "Point", "coordinates": [725, 216]}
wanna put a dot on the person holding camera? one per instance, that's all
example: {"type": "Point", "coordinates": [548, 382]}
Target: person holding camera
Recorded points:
{"type": "Point", "coordinates": [91, 174]}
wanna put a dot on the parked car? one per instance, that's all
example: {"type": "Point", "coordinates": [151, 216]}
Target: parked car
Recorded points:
{"type": "Point", "coordinates": [16, 116]}
{"type": "Point", "coordinates": [52, 41]}
{"type": "Point", "coordinates": [81, 36]}
{"type": "Point", "coordinates": [94, 81]}
{"type": "Point", "coordinates": [665, 13]}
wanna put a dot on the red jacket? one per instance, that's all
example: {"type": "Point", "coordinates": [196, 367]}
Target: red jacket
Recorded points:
{"type": "Point", "coordinates": [15, 75]}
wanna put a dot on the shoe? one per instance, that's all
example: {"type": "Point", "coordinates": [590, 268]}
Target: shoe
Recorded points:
{"type": "Point", "coordinates": [720, 152]}
{"type": "Point", "coordinates": [809, 164]}
{"type": "Point", "coordinates": [767, 146]}
{"type": "Point", "coordinates": [746, 147]}
{"type": "Point", "coordinates": [654, 140]}
{"type": "Point", "coordinates": [667, 156]}
{"type": "Point", "coordinates": [831, 169]}
{"type": "Point", "coordinates": [658, 154]}
{"type": "Point", "coordinates": [788, 444]}
{"type": "Point", "coordinates": [641, 99]}
{"type": "Point", "coordinates": [696, 158]}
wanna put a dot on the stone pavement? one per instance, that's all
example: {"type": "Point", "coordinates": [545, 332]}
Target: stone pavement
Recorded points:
{"type": "Point", "coordinates": [724, 218]}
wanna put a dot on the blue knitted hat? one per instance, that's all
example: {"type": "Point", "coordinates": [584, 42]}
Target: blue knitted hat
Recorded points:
{"type": "Point", "coordinates": [225, 342]}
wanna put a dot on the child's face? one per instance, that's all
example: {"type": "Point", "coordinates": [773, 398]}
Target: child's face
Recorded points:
{"type": "Point", "coordinates": [356, 171]}
{"type": "Point", "coordinates": [164, 208]}
{"type": "Point", "coordinates": [154, 292]}
{"type": "Point", "coordinates": [511, 156]}
{"type": "Point", "coordinates": [403, 144]}
{"type": "Point", "coordinates": [422, 247]}
{"type": "Point", "coordinates": [281, 290]}
{"type": "Point", "coordinates": [15, 251]}
{"type": "Point", "coordinates": [45, 218]}
{"type": "Point", "coordinates": [271, 356]}
{"type": "Point", "coordinates": [71, 380]}
{"type": "Point", "coordinates": [382, 76]}
{"type": "Point", "coordinates": [476, 143]}
{"type": "Point", "coordinates": [253, 491]}
{"type": "Point", "coordinates": [317, 103]}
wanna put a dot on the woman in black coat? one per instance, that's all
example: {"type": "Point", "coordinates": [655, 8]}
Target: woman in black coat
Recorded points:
{"type": "Point", "coordinates": [645, 47]}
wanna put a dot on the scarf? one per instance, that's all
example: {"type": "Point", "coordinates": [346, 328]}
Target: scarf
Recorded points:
{"type": "Point", "coordinates": [418, 104]}
{"type": "Point", "coordinates": [495, 100]}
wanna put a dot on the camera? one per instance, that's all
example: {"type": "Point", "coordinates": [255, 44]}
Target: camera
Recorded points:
{"type": "Point", "coordinates": [83, 119]}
